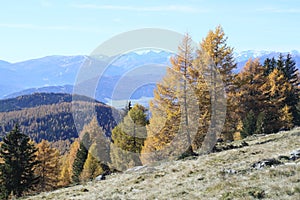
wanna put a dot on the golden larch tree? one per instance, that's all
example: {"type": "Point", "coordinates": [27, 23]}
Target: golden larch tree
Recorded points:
{"type": "Point", "coordinates": [48, 168]}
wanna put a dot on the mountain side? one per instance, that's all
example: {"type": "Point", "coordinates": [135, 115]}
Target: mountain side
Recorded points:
{"type": "Point", "coordinates": [51, 116]}
{"type": "Point", "coordinates": [268, 167]}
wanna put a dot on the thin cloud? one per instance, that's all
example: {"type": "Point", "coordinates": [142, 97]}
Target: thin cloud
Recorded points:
{"type": "Point", "coordinates": [58, 28]}
{"type": "Point", "coordinates": [170, 8]}
{"type": "Point", "coordinates": [279, 10]}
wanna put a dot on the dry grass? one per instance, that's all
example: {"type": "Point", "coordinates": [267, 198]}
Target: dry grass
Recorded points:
{"type": "Point", "coordinates": [224, 175]}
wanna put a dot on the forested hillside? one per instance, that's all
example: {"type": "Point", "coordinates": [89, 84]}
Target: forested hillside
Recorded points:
{"type": "Point", "coordinates": [49, 116]}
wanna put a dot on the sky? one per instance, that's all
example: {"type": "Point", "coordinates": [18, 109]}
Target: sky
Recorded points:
{"type": "Point", "coordinates": [36, 28]}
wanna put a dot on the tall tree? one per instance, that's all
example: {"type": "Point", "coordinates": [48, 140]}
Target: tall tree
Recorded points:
{"type": "Point", "coordinates": [215, 46]}
{"type": "Point", "coordinates": [288, 67]}
{"type": "Point", "coordinates": [128, 138]}
{"type": "Point", "coordinates": [170, 121]}
{"type": "Point", "coordinates": [250, 96]}
{"type": "Point", "coordinates": [48, 168]}
{"type": "Point", "coordinates": [92, 166]}
{"type": "Point", "coordinates": [19, 162]}
{"type": "Point", "coordinates": [93, 134]}
{"type": "Point", "coordinates": [290, 71]}
{"type": "Point", "coordinates": [66, 164]}
{"type": "Point", "coordinates": [79, 161]}
{"type": "Point", "coordinates": [275, 90]}
{"type": "Point", "coordinates": [249, 124]}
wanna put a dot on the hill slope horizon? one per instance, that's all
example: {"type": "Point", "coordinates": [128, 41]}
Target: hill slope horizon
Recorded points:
{"type": "Point", "coordinates": [263, 169]}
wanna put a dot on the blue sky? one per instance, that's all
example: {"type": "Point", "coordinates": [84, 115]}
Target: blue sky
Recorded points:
{"type": "Point", "coordinates": [37, 28]}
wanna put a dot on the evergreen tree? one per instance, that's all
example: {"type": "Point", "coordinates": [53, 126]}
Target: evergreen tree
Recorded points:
{"type": "Point", "coordinates": [249, 125]}
{"type": "Point", "coordinates": [128, 139]}
{"type": "Point", "coordinates": [270, 65]}
{"type": "Point", "coordinates": [290, 71]}
{"type": "Point", "coordinates": [260, 123]}
{"type": "Point", "coordinates": [79, 161]}
{"type": "Point", "coordinates": [288, 67]}
{"type": "Point", "coordinates": [48, 168]}
{"type": "Point", "coordinates": [19, 162]}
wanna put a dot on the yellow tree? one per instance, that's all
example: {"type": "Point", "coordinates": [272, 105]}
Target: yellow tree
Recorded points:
{"type": "Point", "coordinates": [98, 158]}
{"type": "Point", "coordinates": [221, 55]}
{"type": "Point", "coordinates": [250, 98]}
{"type": "Point", "coordinates": [277, 113]}
{"type": "Point", "coordinates": [48, 168]}
{"type": "Point", "coordinates": [169, 133]}
{"type": "Point", "coordinates": [92, 166]}
{"type": "Point", "coordinates": [66, 166]}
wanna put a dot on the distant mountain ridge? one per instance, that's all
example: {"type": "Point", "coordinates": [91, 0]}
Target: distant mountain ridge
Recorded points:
{"type": "Point", "coordinates": [58, 73]}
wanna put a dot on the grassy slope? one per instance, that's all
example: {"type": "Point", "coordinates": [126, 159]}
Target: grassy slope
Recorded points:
{"type": "Point", "coordinates": [205, 177]}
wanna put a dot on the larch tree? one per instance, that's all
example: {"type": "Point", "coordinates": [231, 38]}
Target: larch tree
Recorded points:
{"type": "Point", "coordinates": [66, 166]}
{"type": "Point", "coordinates": [19, 162]}
{"type": "Point", "coordinates": [48, 167]}
{"type": "Point", "coordinates": [275, 91]}
{"type": "Point", "coordinates": [251, 98]}
{"type": "Point", "coordinates": [128, 138]}
{"type": "Point", "coordinates": [94, 135]}
{"type": "Point", "coordinates": [93, 138]}
{"type": "Point", "coordinates": [170, 121]}
{"type": "Point", "coordinates": [221, 55]}
{"type": "Point", "coordinates": [92, 166]}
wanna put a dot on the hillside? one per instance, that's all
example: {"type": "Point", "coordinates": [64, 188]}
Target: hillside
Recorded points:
{"type": "Point", "coordinates": [50, 116]}
{"type": "Point", "coordinates": [242, 173]}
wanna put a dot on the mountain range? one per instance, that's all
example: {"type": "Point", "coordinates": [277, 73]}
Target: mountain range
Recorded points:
{"type": "Point", "coordinates": [58, 74]}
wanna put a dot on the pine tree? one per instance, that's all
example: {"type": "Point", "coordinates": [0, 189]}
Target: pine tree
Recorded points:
{"type": "Point", "coordinates": [128, 139]}
{"type": "Point", "coordinates": [270, 65]}
{"type": "Point", "coordinates": [290, 71]}
{"type": "Point", "coordinates": [19, 162]}
{"type": "Point", "coordinates": [260, 123]}
{"type": "Point", "coordinates": [79, 161]}
{"type": "Point", "coordinates": [288, 67]}
{"type": "Point", "coordinates": [48, 168]}
{"type": "Point", "coordinates": [249, 125]}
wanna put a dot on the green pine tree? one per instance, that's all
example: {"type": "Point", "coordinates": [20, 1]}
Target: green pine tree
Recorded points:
{"type": "Point", "coordinates": [79, 161]}
{"type": "Point", "coordinates": [128, 138]}
{"type": "Point", "coordinates": [249, 125]}
{"type": "Point", "coordinates": [19, 161]}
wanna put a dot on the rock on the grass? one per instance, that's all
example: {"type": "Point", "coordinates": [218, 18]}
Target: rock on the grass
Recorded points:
{"type": "Point", "coordinates": [266, 163]}
{"type": "Point", "coordinates": [295, 154]}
